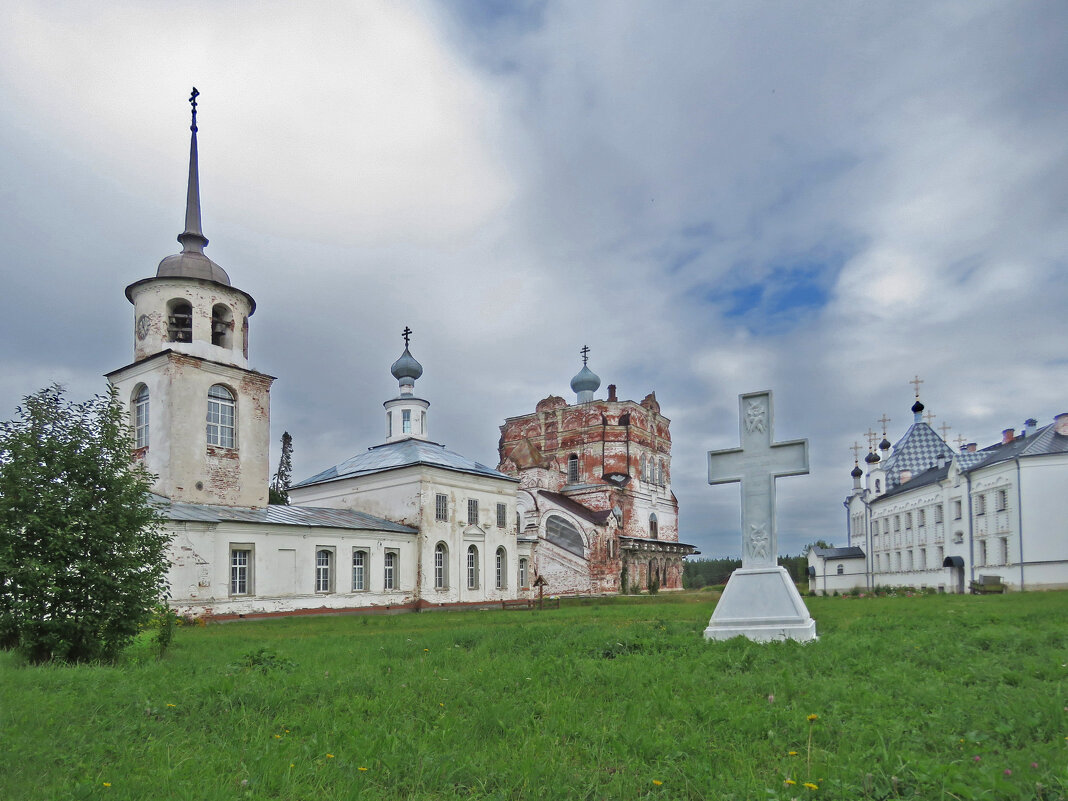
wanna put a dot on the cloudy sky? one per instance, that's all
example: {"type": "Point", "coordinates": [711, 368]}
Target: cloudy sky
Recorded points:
{"type": "Point", "coordinates": [821, 199]}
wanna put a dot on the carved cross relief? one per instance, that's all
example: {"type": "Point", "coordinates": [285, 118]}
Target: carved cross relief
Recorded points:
{"type": "Point", "coordinates": [756, 465]}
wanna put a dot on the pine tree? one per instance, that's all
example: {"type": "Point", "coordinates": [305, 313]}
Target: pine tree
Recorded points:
{"type": "Point", "coordinates": [279, 490]}
{"type": "Point", "coordinates": [82, 549]}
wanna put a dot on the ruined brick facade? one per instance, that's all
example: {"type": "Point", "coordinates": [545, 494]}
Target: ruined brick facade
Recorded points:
{"type": "Point", "coordinates": [599, 472]}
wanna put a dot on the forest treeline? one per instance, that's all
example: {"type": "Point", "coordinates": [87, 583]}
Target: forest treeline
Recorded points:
{"type": "Point", "coordinates": [697, 573]}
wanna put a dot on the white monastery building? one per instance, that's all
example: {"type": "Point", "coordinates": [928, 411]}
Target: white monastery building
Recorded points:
{"type": "Point", "coordinates": [931, 517]}
{"type": "Point", "coordinates": [406, 525]}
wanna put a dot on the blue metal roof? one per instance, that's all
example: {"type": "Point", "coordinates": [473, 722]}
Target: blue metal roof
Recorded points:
{"type": "Point", "coordinates": [278, 515]}
{"type": "Point", "coordinates": [404, 453]}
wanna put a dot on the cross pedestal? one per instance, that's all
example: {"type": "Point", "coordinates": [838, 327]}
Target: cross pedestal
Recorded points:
{"type": "Point", "coordinates": [760, 600]}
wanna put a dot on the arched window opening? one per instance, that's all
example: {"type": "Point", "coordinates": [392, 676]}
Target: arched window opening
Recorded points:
{"type": "Point", "coordinates": [441, 566]}
{"type": "Point", "coordinates": [472, 568]}
{"type": "Point", "coordinates": [643, 469]}
{"type": "Point", "coordinates": [654, 527]}
{"type": "Point", "coordinates": [660, 475]}
{"type": "Point", "coordinates": [572, 469]}
{"type": "Point", "coordinates": [841, 570]}
{"type": "Point", "coordinates": [524, 573]}
{"type": "Point", "coordinates": [502, 569]}
{"type": "Point", "coordinates": [140, 405]}
{"type": "Point", "coordinates": [179, 321]}
{"type": "Point", "coordinates": [877, 485]}
{"type": "Point", "coordinates": [221, 413]}
{"type": "Point", "coordinates": [389, 577]}
{"type": "Point", "coordinates": [359, 571]}
{"type": "Point", "coordinates": [323, 564]}
{"type": "Point", "coordinates": [222, 326]}
{"type": "Point", "coordinates": [563, 533]}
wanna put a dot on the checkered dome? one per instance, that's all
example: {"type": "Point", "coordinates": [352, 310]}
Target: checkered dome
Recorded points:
{"type": "Point", "coordinates": [916, 452]}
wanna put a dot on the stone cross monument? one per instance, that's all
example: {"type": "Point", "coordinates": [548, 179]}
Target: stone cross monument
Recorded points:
{"type": "Point", "coordinates": [760, 600]}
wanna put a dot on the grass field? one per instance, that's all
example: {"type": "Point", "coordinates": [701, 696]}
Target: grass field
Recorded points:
{"type": "Point", "coordinates": [914, 697]}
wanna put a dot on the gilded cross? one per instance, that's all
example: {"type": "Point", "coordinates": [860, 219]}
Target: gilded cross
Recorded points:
{"type": "Point", "coordinates": [960, 440]}
{"type": "Point", "coordinates": [916, 383]}
{"type": "Point", "coordinates": [872, 436]}
{"type": "Point", "coordinates": [884, 420]}
{"type": "Point", "coordinates": [945, 428]}
{"type": "Point", "coordinates": [929, 417]}
{"type": "Point", "coordinates": [756, 465]}
{"type": "Point", "coordinates": [856, 448]}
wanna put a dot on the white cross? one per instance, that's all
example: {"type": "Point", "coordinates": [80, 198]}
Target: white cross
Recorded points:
{"type": "Point", "coordinates": [756, 465]}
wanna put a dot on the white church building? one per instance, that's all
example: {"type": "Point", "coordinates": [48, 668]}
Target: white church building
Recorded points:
{"type": "Point", "coordinates": [408, 524]}
{"type": "Point", "coordinates": [923, 515]}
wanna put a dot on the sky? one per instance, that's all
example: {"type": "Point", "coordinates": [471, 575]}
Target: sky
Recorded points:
{"type": "Point", "coordinates": [821, 199]}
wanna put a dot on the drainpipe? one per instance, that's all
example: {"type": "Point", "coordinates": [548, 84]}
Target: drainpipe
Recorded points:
{"type": "Point", "coordinates": [971, 539]}
{"type": "Point", "coordinates": [1019, 521]}
{"type": "Point", "coordinates": [869, 558]}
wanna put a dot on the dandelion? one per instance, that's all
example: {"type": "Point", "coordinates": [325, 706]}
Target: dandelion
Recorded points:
{"type": "Point", "coordinates": [657, 782]}
{"type": "Point", "coordinates": [790, 782]}
{"type": "Point", "coordinates": [791, 753]}
{"type": "Point", "coordinates": [361, 768]}
{"type": "Point", "coordinates": [278, 737]}
{"type": "Point", "coordinates": [811, 718]}
{"type": "Point", "coordinates": [440, 704]}
{"type": "Point", "coordinates": [172, 706]}
{"type": "Point", "coordinates": [292, 765]}
{"type": "Point", "coordinates": [811, 786]}
{"type": "Point", "coordinates": [329, 756]}
{"type": "Point", "coordinates": [426, 650]}
{"type": "Point", "coordinates": [107, 784]}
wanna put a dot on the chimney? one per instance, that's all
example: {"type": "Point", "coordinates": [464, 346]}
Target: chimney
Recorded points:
{"type": "Point", "coordinates": [940, 462]}
{"type": "Point", "coordinates": [906, 476]}
{"type": "Point", "coordinates": [612, 392]}
{"type": "Point", "coordinates": [971, 446]}
{"type": "Point", "coordinates": [1060, 424]}
{"type": "Point", "coordinates": [1007, 436]}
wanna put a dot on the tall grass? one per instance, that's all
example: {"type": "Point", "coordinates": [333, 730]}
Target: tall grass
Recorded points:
{"type": "Point", "coordinates": [929, 697]}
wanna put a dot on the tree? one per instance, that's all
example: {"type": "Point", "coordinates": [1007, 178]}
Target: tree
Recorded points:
{"type": "Point", "coordinates": [82, 549]}
{"type": "Point", "coordinates": [816, 544]}
{"type": "Point", "coordinates": [278, 492]}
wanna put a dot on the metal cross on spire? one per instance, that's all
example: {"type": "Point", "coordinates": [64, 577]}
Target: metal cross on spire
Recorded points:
{"type": "Point", "coordinates": [872, 436]}
{"type": "Point", "coordinates": [945, 428]}
{"type": "Point", "coordinates": [916, 383]}
{"type": "Point", "coordinates": [884, 420]}
{"type": "Point", "coordinates": [193, 103]}
{"type": "Point", "coordinates": [856, 448]}
{"type": "Point", "coordinates": [929, 417]}
{"type": "Point", "coordinates": [585, 353]}
{"type": "Point", "coordinates": [406, 334]}
{"type": "Point", "coordinates": [960, 440]}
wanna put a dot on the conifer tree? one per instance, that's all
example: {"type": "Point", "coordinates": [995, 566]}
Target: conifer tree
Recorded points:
{"type": "Point", "coordinates": [279, 490]}
{"type": "Point", "coordinates": [82, 549]}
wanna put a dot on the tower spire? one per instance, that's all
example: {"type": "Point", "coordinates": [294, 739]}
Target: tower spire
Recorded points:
{"type": "Point", "coordinates": [193, 239]}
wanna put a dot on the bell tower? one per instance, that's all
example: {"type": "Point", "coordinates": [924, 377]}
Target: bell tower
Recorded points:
{"type": "Point", "coordinates": [200, 416]}
{"type": "Point", "coordinates": [406, 413]}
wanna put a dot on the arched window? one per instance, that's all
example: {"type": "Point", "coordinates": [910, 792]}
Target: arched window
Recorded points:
{"type": "Point", "coordinates": [441, 566]}
{"type": "Point", "coordinates": [222, 326]}
{"type": "Point", "coordinates": [524, 573]}
{"type": "Point", "coordinates": [643, 469]}
{"type": "Point", "coordinates": [660, 474]}
{"type": "Point", "coordinates": [140, 405]}
{"type": "Point", "coordinates": [877, 485]}
{"type": "Point", "coordinates": [502, 569]}
{"type": "Point", "coordinates": [179, 321]}
{"type": "Point", "coordinates": [359, 571]}
{"type": "Point", "coordinates": [389, 577]}
{"type": "Point", "coordinates": [563, 533]}
{"type": "Point", "coordinates": [472, 567]}
{"type": "Point", "coordinates": [653, 526]}
{"type": "Point", "coordinates": [323, 571]}
{"type": "Point", "coordinates": [841, 570]}
{"type": "Point", "coordinates": [572, 469]}
{"type": "Point", "coordinates": [221, 407]}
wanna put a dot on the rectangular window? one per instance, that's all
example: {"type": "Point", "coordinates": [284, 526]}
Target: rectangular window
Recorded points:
{"type": "Point", "coordinates": [908, 520]}
{"type": "Point", "coordinates": [980, 505]}
{"type": "Point", "coordinates": [982, 552]}
{"type": "Point", "coordinates": [923, 558]}
{"type": "Point", "coordinates": [921, 518]}
{"type": "Point", "coordinates": [324, 570]}
{"type": "Point", "coordinates": [956, 510]}
{"type": "Point", "coordinates": [1003, 500]}
{"type": "Point", "coordinates": [389, 424]}
{"type": "Point", "coordinates": [220, 427]}
{"type": "Point", "coordinates": [1004, 550]}
{"type": "Point", "coordinates": [441, 507]}
{"type": "Point", "coordinates": [389, 577]}
{"type": "Point", "coordinates": [240, 571]}
{"type": "Point", "coordinates": [359, 571]}
{"type": "Point", "coordinates": [406, 421]}
{"type": "Point", "coordinates": [502, 515]}
{"type": "Point", "coordinates": [472, 511]}
{"type": "Point", "coordinates": [939, 513]}
{"type": "Point", "coordinates": [897, 522]}
{"type": "Point", "coordinates": [523, 583]}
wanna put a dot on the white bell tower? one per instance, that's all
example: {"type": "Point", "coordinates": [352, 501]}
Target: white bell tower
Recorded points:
{"type": "Point", "coordinates": [200, 416]}
{"type": "Point", "coordinates": [406, 414]}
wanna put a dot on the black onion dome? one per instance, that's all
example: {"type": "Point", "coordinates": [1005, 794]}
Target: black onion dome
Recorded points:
{"type": "Point", "coordinates": [917, 407]}
{"type": "Point", "coordinates": [856, 472]}
{"type": "Point", "coordinates": [872, 457]}
{"type": "Point", "coordinates": [884, 445]}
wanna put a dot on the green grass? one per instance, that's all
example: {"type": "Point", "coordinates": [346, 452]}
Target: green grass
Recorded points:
{"type": "Point", "coordinates": [596, 700]}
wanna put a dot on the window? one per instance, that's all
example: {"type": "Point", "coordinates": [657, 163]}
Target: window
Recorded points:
{"type": "Point", "coordinates": [980, 505]}
{"type": "Point", "coordinates": [921, 518]}
{"type": "Point", "coordinates": [908, 520]}
{"type": "Point", "coordinates": [958, 537]}
{"type": "Point", "coordinates": [524, 582]}
{"type": "Point", "coordinates": [653, 526]}
{"type": "Point", "coordinates": [406, 421]}
{"type": "Point", "coordinates": [923, 559]}
{"type": "Point", "coordinates": [472, 511]}
{"type": "Point", "coordinates": [982, 552]}
{"type": "Point", "coordinates": [141, 417]}
{"type": "Point", "coordinates": [221, 416]}
{"type": "Point", "coordinates": [179, 321]}
{"type": "Point", "coordinates": [572, 469]}
{"type": "Point", "coordinates": [939, 513]}
{"type": "Point", "coordinates": [660, 474]}
{"type": "Point", "coordinates": [1004, 550]}
{"type": "Point", "coordinates": [389, 578]}
{"type": "Point", "coordinates": [1003, 500]}
{"type": "Point", "coordinates": [441, 566]}
{"type": "Point", "coordinates": [502, 515]}
{"type": "Point", "coordinates": [359, 571]}
{"type": "Point", "coordinates": [878, 487]}
{"type": "Point", "coordinates": [389, 424]}
{"type": "Point", "coordinates": [324, 560]}
{"type": "Point", "coordinates": [422, 423]}
{"type": "Point", "coordinates": [222, 325]}
{"type": "Point", "coordinates": [644, 471]}
{"type": "Point", "coordinates": [241, 571]}
{"type": "Point", "coordinates": [441, 506]}
{"type": "Point", "coordinates": [500, 579]}
{"type": "Point", "coordinates": [841, 570]}
{"type": "Point", "coordinates": [897, 522]}
{"type": "Point", "coordinates": [472, 567]}
{"type": "Point", "coordinates": [956, 510]}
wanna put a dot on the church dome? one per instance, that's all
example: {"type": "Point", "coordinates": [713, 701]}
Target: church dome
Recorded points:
{"type": "Point", "coordinates": [917, 407]}
{"type": "Point", "coordinates": [872, 457]}
{"type": "Point", "coordinates": [884, 445]}
{"type": "Point", "coordinates": [190, 264]}
{"type": "Point", "coordinates": [585, 381]}
{"type": "Point", "coordinates": [856, 472]}
{"type": "Point", "coordinates": [406, 367]}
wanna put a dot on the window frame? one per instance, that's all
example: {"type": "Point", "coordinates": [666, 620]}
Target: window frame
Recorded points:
{"type": "Point", "coordinates": [472, 567]}
{"type": "Point", "coordinates": [472, 511]}
{"type": "Point", "coordinates": [441, 507]}
{"type": "Point", "coordinates": [573, 469]}
{"type": "Point", "coordinates": [142, 400]}
{"type": "Point", "coordinates": [654, 526]}
{"type": "Point", "coordinates": [217, 429]}
{"type": "Point", "coordinates": [1002, 501]}
{"type": "Point", "coordinates": [390, 570]}
{"type": "Point", "coordinates": [502, 515]}
{"type": "Point", "coordinates": [247, 568]}
{"type": "Point", "coordinates": [501, 568]}
{"type": "Point", "coordinates": [359, 570]}
{"type": "Point", "coordinates": [524, 573]}
{"type": "Point", "coordinates": [406, 421]}
{"type": "Point", "coordinates": [324, 570]}
{"type": "Point", "coordinates": [441, 566]}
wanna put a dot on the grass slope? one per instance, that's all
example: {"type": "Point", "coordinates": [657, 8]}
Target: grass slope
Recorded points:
{"type": "Point", "coordinates": [929, 697]}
